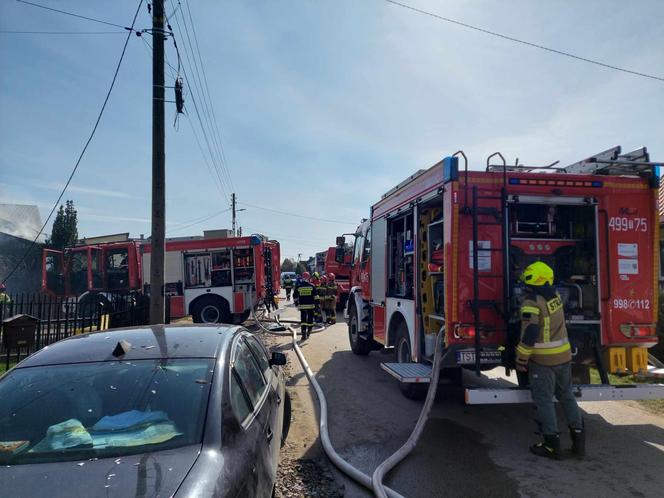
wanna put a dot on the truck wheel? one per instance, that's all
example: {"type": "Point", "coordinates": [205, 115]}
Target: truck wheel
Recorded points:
{"type": "Point", "coordinates": [403, 354]}
{"type": "Point", "coordinates": [211, 309]}
{"type": "Point", "coordinates": [358, 345]}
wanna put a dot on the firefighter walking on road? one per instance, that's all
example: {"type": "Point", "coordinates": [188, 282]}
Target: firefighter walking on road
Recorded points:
{"type": "Point", "coordinates": [304, 295]}
{"type": "Point", "coordinates": [288, 285]}
{"type": "Point", "coordinates": [544, 351]}
{"type": "Point", "coordinates": [331, 299]}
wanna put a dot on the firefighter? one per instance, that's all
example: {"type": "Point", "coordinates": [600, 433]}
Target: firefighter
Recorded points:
{"type": "Point", "coordinates": [4, 297]}
{"type": "Point", "coordinates": [305, 295]}
{"type": "Point", "coordinates": [288, 285]}
{"type": "Point", "coordinates": [331, 311]}
{"type": "Point", "coordinates": [320, 294]}
{"type": "Point", "coordinates": [544, 352]}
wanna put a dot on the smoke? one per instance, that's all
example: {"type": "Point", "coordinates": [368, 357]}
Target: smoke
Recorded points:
{"type": "Point", "coordinates": [21, 220]}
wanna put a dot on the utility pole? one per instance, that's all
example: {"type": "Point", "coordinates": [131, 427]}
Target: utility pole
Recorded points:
{"type": "Point", "coordinates": [233, 202]}
{"type": "Point", "coordinates": [157, 239]}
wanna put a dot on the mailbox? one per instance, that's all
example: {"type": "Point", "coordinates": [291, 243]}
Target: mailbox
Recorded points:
{"type": "Point", "coordinates": [19, 331]}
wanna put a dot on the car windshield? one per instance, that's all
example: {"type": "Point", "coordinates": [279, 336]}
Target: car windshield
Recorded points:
{"type": "Point", "coordinates": [102, 409]}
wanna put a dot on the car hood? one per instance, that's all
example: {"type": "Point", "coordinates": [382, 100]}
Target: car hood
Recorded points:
{"type": "Point", "coordinates": [142, 475]}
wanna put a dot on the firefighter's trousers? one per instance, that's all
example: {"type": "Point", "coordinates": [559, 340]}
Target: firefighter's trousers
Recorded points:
{"type": "Point", "coordinates": [288, 292]}
{"type": "Point", "coordinates": [330, 312]}
{"type": "Point", "coordinates": [318, 315]}
{"type": "Point", "coordinates": [544, 383]}
{"type": "Point", "coordinates": [306, 321]}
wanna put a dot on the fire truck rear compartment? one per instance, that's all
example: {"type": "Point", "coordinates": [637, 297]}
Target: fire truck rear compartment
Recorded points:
{"type": "Point", "coordinates": [565, 237]}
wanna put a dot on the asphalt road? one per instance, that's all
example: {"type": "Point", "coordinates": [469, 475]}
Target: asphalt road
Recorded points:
{"type": "Point", "coordinates": [465, 450]}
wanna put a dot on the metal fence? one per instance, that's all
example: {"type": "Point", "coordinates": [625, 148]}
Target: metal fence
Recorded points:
{"type": "Point", "coordinates": [60, 317]}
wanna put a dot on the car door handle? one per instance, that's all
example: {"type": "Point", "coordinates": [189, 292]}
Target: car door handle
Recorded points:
{"type": "Point", "coordinates": [269, 434]}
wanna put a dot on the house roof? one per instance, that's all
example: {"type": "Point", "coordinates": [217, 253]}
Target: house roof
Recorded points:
{"type": "Point", "coordinates": [21, 220]}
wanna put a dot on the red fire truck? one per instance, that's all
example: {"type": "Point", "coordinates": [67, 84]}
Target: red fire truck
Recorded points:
{"type": "Point", "coordinates": [338, 260]}
{"type": "Point", "coordinates": [443, 250]}
{"type": "Point", "coordinates": [215, 280]}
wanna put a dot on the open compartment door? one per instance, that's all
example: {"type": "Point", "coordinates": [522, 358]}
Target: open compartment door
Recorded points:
{"type": "Point", "coordinates": [53, 272]}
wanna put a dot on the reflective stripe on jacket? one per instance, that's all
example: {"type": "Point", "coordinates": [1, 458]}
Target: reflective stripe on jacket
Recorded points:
{"type": "Point", "coordinates": [543, 333]}
{"type": "Point", "coordinates": [305, 294]}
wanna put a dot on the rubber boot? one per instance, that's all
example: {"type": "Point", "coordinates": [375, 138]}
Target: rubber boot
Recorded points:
{"type": "Point", "coordinates": [578, 442]}
{"type": "Point", "coordinates": [549, 447]}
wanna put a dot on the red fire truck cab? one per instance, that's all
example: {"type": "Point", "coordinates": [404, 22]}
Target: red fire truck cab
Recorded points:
{"type": "Point", "coordinates": [215, 280]}
{"type": "Point", "coordinates": [443, 251]}
{"type": "Point", "coordinates": [338, 260]}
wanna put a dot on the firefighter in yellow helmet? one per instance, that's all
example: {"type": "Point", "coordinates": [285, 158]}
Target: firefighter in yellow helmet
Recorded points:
{"type": "Point", "coordinates": [4, 297]}
{"type": "Point", "coordinates": [544, 352]}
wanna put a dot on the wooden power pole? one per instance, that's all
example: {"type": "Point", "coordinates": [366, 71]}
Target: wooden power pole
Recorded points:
{"type": "Point", "coordinates": [157, 240]}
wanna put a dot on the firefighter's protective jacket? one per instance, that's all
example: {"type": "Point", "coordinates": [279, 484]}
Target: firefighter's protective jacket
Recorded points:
{"type": "Point", "coordinates": [305, 294]}
{"type": "Point", "coordinates": [543, 333]}
{"type": "Point", "coordinates": [332, 292]}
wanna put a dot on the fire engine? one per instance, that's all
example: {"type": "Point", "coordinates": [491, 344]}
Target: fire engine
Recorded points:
{"type": "Point", "coordinates": [443, 250]}
{"type": "Point", "coordinates": [215, 280]}
{"type": "Point", "coordinates": [337, 260]}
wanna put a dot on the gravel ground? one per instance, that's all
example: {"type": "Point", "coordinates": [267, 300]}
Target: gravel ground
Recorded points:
{"type": "Point", "coordinates": [301, 477]}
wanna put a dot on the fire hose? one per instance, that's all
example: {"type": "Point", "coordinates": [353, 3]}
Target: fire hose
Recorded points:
{"type": "Point", "coordinates": [375, 482]}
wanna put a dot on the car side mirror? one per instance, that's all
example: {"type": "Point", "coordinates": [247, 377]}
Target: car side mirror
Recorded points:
{"type": "Point", "coordinates": [278, 359]}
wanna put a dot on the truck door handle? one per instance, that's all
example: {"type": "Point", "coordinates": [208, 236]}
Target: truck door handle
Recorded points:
{"type": "Point", "coordinates": [269, 434]}
{"type": "Point", "coordinates": [278, 399]}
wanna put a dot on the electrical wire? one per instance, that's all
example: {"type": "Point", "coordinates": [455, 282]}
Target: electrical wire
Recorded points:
{"type": "Point", "coordinates": [7, 32]}
{"type": "Point", "coordinates": [298, 215]}
{"type": "Point", "coordinates": [76, 15]}
{"type": "Point", "coordinates": [524, 42]}
{"type": "Point", "coordinates": [190, 54]}
{"type": "Point", "coordinates": [196, 221]}
{"type": "Point", "coordinates": [207, 87]}
{"type": "Point", "coordinates": [205, 130]}
{"type": "Point", "coordinates": [85, 147]}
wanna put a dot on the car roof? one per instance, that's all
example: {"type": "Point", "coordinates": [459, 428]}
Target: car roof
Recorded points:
{"type": "Point", "coordinates": [149, 342]}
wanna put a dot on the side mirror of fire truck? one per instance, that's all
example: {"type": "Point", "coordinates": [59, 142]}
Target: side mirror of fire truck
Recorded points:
{"type": "Point", "coordinates": [340, 251]}
{"type": "Point", "coordinates": [341, 241]}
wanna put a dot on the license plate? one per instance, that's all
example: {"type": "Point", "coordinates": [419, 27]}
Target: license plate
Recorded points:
{"type": "Point", "coordinates": [467, 357]}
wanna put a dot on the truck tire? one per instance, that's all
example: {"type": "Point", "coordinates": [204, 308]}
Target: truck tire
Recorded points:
{"type": "Point", "coordinates": [358, 345]}
{"type": "Point", "coordinates": [403, 354]}
{"type": "Point", "coordinates": [211, 309]}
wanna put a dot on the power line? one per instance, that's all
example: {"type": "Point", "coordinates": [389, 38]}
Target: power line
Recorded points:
{"type": "Point", "coordinates": [524, 42]}
{"type": "Point", "coordinates": [204, 129]}
{"type": "Point", "coordinates": [76, 15]}
{"type": "Point", "coordinates": [207, 87]}
{"type": "Point", "coordinates": [85, 147]}
{"type": "Point", "coordinates": [196, 221]}
{"type": "Point", "coordinates": [298, 215]}
{"type": "Point", "coordinates": [196, 77]}
{"type": "Point", "coordinates": [7, 32]}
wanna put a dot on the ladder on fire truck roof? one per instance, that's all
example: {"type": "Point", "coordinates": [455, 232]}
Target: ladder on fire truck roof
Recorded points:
{"type": "Point", "coordinates": [608, 162]}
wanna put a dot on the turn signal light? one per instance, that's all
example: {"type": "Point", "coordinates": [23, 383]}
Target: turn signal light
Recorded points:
{"type": "Point", "coordinates": [633, 331]}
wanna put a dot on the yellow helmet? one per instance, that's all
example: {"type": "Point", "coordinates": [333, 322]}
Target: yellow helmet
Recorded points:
{"type": "Point", "coordinates": [537, 274]}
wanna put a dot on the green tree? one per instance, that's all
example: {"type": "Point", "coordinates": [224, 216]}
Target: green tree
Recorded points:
{"type": "Point", "coordinates": [288, 265]}
{"type": "Point", "coordinates": [65, 227]}
{"type": "Point", "coordinates": [300, 268]}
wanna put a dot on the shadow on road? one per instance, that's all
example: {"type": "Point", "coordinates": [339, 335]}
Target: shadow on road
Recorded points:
{"type": "Point", "coordinates": [476, 450]}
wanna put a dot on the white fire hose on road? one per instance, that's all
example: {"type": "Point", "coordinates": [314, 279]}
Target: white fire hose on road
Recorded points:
{"type": "Point", "coordinates": [396, 457]}
{"type": "Point", "coordinates": [331, 453]}
{"type": "Point", "coordinates": [375, 482]}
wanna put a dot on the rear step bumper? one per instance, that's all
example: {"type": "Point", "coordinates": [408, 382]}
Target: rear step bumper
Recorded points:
{"type": "Point", "coordinates": [420, 373]}
{"type": "Point", "coordinates": [583, 392]}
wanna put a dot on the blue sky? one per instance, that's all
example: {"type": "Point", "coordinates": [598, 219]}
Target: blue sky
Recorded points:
{"type": "Point", "coordinates": [322, 105]}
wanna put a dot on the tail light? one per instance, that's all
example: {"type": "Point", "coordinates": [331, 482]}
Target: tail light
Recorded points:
{"type": "Point", "coordinates": [632, 331]}
{"type": "Point", "coordinates": [462, 331]}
